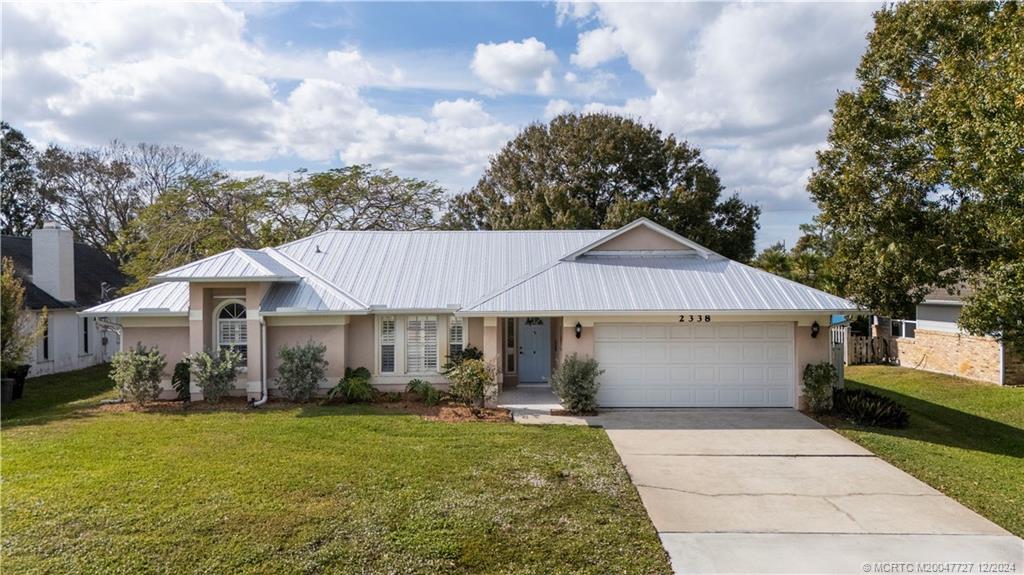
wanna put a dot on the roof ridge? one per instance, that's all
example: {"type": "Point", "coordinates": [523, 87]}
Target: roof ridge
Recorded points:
{"type": "Point", "coordinates": [244, 253]}
{"type": "Point", "coordinates": [275, 253]}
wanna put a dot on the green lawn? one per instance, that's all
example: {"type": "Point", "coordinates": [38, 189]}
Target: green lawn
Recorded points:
{"type": "Point", "coordinates": [965, 438]}
{"type": "Point", "coordinates": [307, 489]}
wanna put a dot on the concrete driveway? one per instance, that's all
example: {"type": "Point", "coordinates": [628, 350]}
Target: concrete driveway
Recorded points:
{"type": "Point", "coordinates": [772, 491]}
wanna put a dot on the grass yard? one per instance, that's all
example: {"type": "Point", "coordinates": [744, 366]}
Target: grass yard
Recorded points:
{"type": "Point", "coordinates": [306, 489]}
{"type": "Point", "coordinates": [965, 438]}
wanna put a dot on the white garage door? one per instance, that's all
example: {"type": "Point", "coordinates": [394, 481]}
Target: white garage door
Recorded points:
{"type": "Point", "coordinates": [691, 365]}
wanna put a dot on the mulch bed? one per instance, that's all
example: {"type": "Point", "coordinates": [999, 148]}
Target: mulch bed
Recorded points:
{"type": "Point", "coordinates": [569, 413]}
{"type": "Point", "coordinates": [445, 412]}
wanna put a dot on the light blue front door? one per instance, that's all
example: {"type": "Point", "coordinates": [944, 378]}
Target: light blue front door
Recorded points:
{"type": "Point", "coordinates": [534, 349]}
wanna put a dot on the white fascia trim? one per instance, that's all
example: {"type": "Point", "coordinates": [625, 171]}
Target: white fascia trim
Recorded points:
{"type": "Point", "coordinates": [412, 310]}
{"type": "Point", "coordinates": [132, 313]}
{"type": "Point", "coordinates": [215, 279]}
{"type": "Point", "coordinates": [942, 302]}
{"type": "Point", "coordinates": [662, 312]}
{"type": "Point", "coordinates": [310, 313]}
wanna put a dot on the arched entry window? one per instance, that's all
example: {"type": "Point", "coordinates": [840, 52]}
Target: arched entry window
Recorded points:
{"type": "Point", "coordinates": [231, 330]}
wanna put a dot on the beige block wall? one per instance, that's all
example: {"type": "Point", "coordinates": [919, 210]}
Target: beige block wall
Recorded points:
{"type": "Point", "coordinates": [332, 336]}
{"type": "Point", "coordinates": [951, 353]}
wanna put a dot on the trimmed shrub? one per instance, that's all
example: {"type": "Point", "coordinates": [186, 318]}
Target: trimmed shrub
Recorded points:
{"type": "Point", "coordinates": [137, 373]}
{"type": "Point", "coordinates": [818, 382]}
{"type": "Point", "coordinates": [215, 374]}
{"type": "Point", "coordinates": [575, 383]}
{"type": "Point", "coordinates": [181, 380]}
{"type": "Point", "coordinates": [303, 368]}
{"type": "Point", "coordinates": [354, 387]}
{"type": "Point", "coordinates": [868, 408]}
{"type": "Point", "coordinates": [426, 393]}
{"type": "Point", "coordinates": [472, 382]}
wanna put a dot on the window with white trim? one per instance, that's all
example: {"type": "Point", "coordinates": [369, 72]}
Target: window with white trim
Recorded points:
{"type": "Point", "coordinates": [421, 344]}
{"type": "Point", "coordinates": [456, 336]}
{"type": "Point", "coordinates": [387, 344]}
{"type": "Point", "coordinates": [232, 330]}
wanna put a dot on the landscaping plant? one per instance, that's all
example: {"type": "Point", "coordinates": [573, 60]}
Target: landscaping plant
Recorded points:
{"type": "Point", "coordinates": [181, 379]}
{"type": "Point", "coordinates": [818, 381]}
{"type": "Point", "coordinates": [215, 374]}
{"type": "Point", "coordinates": [354, 387]}
{"type": "Point", "coordinates": [575, 383]}
{"type": "Point", "coordinates": [303, 368]}
{"type": "Point", "coordinates": [427, 393]}
{"type": "Point", "coordinates": [868, 408]}
{"type": "Point", "coordinates": [137, 373]}
{"type": "Point", "coordinates": [472, 382]}
{"type": "Point", "coordinates": [468, 352]}
{"type": "Point", "coordinates": [19, 330]}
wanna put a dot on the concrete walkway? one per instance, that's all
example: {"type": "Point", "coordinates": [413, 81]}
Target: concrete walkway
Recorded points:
{"type": "Point", "coordinates": [773, 491]}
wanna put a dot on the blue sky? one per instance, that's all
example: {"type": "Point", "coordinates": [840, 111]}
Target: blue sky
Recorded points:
{"type": "Point", "coordinates": [433, 89]}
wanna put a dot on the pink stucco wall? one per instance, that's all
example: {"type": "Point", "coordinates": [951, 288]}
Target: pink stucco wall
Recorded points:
{"type": "Point", "coordinates": [172, 341]}
{"type": "Point", "coordinates": [332, 336]}
{"type": "Point", "coordinates": [360, 341]}
{"type": "Point", "coordinates": [808, 350]}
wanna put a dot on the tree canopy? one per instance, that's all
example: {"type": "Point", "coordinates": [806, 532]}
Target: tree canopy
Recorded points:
{"type": "Point", "coordinates": [921, 183]}
{"type": "Point", "coordinates": [22, 205]}
{"type": "Point", "coordinates": [583, 171]}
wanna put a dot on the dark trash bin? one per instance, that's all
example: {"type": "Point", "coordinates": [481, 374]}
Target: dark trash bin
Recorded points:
{"type": "Point", "coordinates": [19, 374]}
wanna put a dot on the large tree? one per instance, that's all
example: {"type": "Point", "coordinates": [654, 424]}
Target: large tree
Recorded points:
{"type": "Point", "coordinates": [585, 171]}
{"type": "Point", "coordinates": [921, 184]}
{"type": "Point", "coordinates": [205, 216]}
{"type": "Point", "coordinates": [22, 205]}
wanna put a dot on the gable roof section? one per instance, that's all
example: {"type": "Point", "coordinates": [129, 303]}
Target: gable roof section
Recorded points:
{"type": "Point", "coordinates": [666, 284]}
{"type": "Point", "coordinates": [683, 243]}
{"type": "Point", "coordinates": [163, 299]}
{"type": "Point", "coordinates": [233, 265]}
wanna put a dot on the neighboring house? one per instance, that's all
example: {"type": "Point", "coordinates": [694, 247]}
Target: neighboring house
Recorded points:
{"type": "Point", "coordinates": [65, 277]}
{"type": "Point", "coordinates": [936, 343]}
{"type": "Point", "coordinates": [671, 323]}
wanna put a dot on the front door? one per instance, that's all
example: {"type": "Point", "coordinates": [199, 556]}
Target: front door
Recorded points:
{"type": "Point", "coordinates": [534, 349]}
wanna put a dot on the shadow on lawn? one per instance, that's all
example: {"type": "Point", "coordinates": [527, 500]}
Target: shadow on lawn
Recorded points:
{"type": "Point", "coordinates": [938, 424]}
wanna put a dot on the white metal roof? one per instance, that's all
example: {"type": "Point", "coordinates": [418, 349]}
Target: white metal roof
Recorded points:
{"type": "Point", "coordinates": [483, 272]}
{"type": "Point", "coordinates": [594, 283]}
{"type": "Point", "coordinates": [433, 270]}
{"type": "Point", "coordinates": [236, 264]}
{"type": "Point", "coordinates": [162, 299]}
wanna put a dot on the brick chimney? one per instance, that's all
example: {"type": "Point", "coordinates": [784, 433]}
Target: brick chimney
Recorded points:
{"type": "Point", "coordinates": [53, 261]}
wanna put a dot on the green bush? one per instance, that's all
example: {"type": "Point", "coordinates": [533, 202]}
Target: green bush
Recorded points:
{"type": "Point", "coordinates": [427, 393]}
{"type": "Point", "coordinates": [215, 374]}
{"type": "Point", "coordinates": [137, 373]}
{"type": "Point", "coordinates": [818, 382]}
{"type": "Point", "coordinates": [181, 380]}
{"type": "Point", "coordinates": [303, 368]}
{"type": "Point", "coordinates": [868, 408]}
{"type": "Point", "coordinates": [354, 387]}
{"type": "Point", "coordinates": [575, 383]}
{"type": "Point", "coordinates": [472, 382]}
{"type": "Point", "coordinates": [468, 352]}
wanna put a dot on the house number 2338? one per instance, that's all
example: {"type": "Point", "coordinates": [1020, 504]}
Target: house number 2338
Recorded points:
{"type": "Point", "coordinates": [695, 318]}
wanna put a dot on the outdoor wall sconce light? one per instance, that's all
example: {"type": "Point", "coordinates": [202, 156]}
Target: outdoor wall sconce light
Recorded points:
{"type": "Point", "coordinates": [815, 328]}
{"type": "Point", "coordinates": [579, 330]}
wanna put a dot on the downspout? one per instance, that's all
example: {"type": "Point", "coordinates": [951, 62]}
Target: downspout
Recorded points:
{"type": "Point", "coordinates": [263, 364]}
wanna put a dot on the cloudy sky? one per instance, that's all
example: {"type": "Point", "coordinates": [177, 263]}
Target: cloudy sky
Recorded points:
{"type": "Point", "coordinates": [433, 89]}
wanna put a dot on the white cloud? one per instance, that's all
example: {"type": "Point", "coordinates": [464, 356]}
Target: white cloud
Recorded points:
{"type": "Point", "coordinates": [556, 108]}
{"type": "Point", "coordinates": [515, 66]}
{"type": "Point", "coordinates": [189, 74]}
{"type": "Point", "coordinates": [595, 47]}
{"type": "Point", "coordinates": [751, 84]}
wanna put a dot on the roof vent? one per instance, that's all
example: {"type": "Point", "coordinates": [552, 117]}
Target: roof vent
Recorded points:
{"type": "Point", "coordinates": [318, 249]}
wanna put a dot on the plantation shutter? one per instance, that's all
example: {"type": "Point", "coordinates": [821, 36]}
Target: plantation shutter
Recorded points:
{"type": "Point", "coordinates": [456, 332]}
{"type": "Point", "coordinates": [421, 344]}
{"type": "Point", "coordinates": [387, 344]}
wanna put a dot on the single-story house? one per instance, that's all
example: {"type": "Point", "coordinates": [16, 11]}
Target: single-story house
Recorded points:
{"type": "Point", "coordinates": [65, 276]}
{"type": "Point", "coordinates": [671, 322]}
{"type": "Point", "coordinates": [935, 342]}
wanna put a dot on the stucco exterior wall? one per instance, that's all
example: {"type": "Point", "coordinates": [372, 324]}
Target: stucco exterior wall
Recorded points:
{"type": "Point", "coordinates": [360, 341]}
{"type": "Point", "coordinates": [475, 332]}
{"type": "Point", "coordinates": [808, 350]}
{"type": "Point", "coordinates": [332, 336]}
{"type": "Point", "coordinates": [173, 342]}
{"type": "Point", "coordinates": [584, 346]}
{"type": "Point", "coordinates": [951, 353]}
